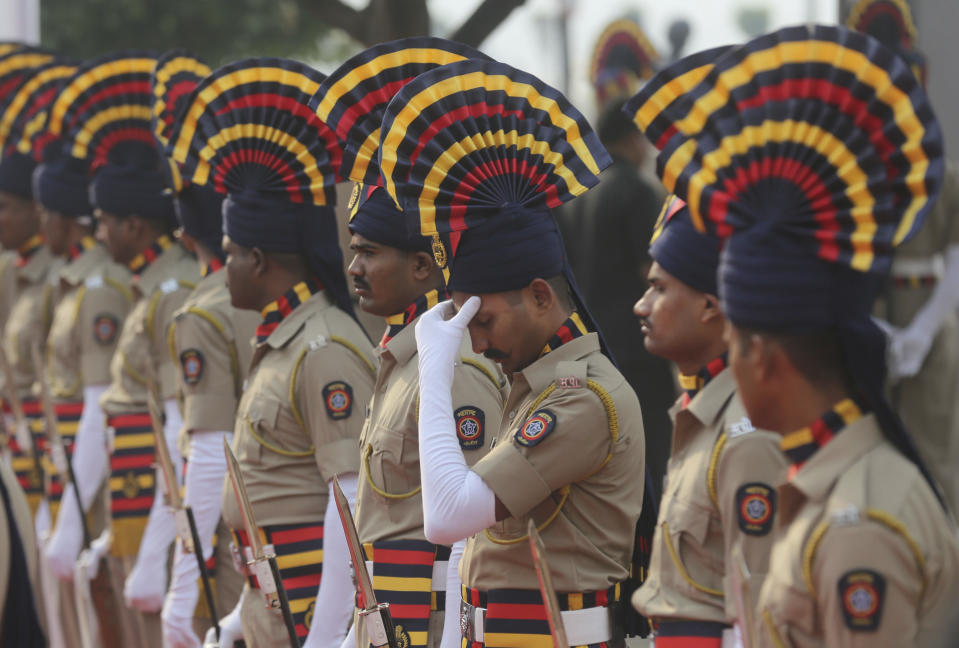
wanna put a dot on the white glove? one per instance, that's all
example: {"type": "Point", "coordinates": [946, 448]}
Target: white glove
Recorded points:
{"type": "Point", "coordinates": [231, 628]}
{"type": "Point", "coordinates": [452, 636]}
{"type": "Point", "coordinates": [334, 601]}
{"type": "Point", "coordinates": [457, 503]}
{"type": "Point", "coordinates": [204, 483]}
{"type": "Point", "coordinates": [88, 564]}
{"type": "Point", "coordinates": [145, 587]}
{"type": "Point", "coordinates": [909, 347]}
{"type": "Point", "coordinates": [350, 640]}
{"type": "Point", "coordinates": [89, 466]}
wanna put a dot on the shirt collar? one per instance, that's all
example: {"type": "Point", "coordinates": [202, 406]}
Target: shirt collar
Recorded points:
{"type": "Point", "coordinates": [712, 398]}
{"type": "Point", "coordinates": [292, 323]}
{"type": "Point", "coordinates": [403, 345]}
{"type": "Point", "coordinates": [158, 270]}
{"type": "Point", "coordinates": [79, 269]}
{"type": "Point", "coordinates": [541, 373]}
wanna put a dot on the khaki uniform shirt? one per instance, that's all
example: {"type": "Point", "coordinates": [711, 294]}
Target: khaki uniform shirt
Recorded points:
{"type": "Point", "coordinates": [864, 555]}
{"type": "Point", "coordinates": [94, 299]}
{"type": "Point", "coordinates": [144, 347]}
{"type": "Point", "coordinates": [29, 319]}
{"type": "Point", "coordinates": [719, 497]}
{"type": "Point", "coordinates": [299, 420]}
{"type": "Point", "coordinates": [570, 455]}
{"type": "Point", "coordinates": [8, 284]}
{"type": "Point", "coordinates": [389, 505]}
{"type": "Point", "coordinates": [210, 346]}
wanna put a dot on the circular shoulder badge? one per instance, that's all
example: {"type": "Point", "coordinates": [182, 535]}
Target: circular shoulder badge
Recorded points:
{"type": "Point", "coordinates": [191, 361]}
{"type": "Point", "coordinates": [470, 427]}
{"type": "Point", "coordinates": [861, 592]}
{"type": "Point", "coordinates": [338, 398]}
{"type": "Point", "coordinates": [756, 505]}
{"type": "Point", "coordinates": [536, 428]}
{"type": "Point", "coordinates": [105, 328]}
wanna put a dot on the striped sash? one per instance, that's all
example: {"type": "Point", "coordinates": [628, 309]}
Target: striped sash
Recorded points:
{"type": "Point", "coordinates": [28, 470]}
{"type": "Point", "coordinates": [518, 617]}
{"type": "Point", "coordinates": [132, 480]}
{"type": "Point", "coordinates": [299, 557]}
{"type": "Point", "coordinates": [68, 419]}
{"type": "Point", "coordinates": [403, 577]}
{"type": "Point", "coordinates": [689, 634]}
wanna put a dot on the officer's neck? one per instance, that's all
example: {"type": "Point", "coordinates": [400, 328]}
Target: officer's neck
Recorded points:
{"type": "Point", "coordinates": [75, 233]}
{"type": "Point", "coordinates": [277, 283]}
{"type": "Point", "coordinates": [803, 402]}
{"type": "Point", "coordinates": [701, 356]}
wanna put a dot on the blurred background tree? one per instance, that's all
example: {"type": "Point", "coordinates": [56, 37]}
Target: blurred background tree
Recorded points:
{"type": "Point", "coordinates": [222, 30]}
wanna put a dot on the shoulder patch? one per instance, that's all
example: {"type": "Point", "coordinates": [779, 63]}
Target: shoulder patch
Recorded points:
{"type": "Point", "coordinates": [756, 505]}
{"type": "Point", "coordinates": [470, 427]}
{"type": "Point", "coordinates": [536, 428]}
{"type": "Point", "coordinates": [338, 398]}
{"type": "Point", "coordinates": [861, 594]}
{"type": "Point", "coordinates": [741, 427]}
{"type": "Point", "coordinates": [105, 326]}
{"type": "Point", "coordinates": [192, 363]}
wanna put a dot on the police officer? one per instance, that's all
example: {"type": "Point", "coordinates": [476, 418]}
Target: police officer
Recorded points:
{"type": "Point", "coordinates": [396, 277]}
{"type": "Point", "coordinates": [103, 111]}
{"type": "Point", "coordinates": [920, 301]}
{"type": "Point", "coordinates": [568, 453]}
{"type": "Point", "coordinates": [865, 552]}
{"type": "Point", "coordinates": [311, 374]}
{"type": "Point", "coordinates": [719, 501]}
{"type": "Point", "coordinates": [209, 342]}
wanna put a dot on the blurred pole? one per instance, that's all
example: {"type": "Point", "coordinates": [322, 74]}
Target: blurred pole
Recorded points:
{"type": "Point", "coordinates": [20, 20]}
{"type": "Point", "coordinates": [566, 8]}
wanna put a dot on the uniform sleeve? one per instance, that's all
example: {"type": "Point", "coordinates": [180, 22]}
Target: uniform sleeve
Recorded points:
{"type": "Point", "coordinates": [162, 316]}
{"type": "Point", "coordinates": [333, 388]}
{"type": "Point", "coordinates": [868, 587]}
{"type": "Point", "coordinates": [206, 362]}
{"type": "Point", "coordinates": [565, 439]}
{"type": "Point", "coordinates": [477, 411]}
{"type": "Point", "coordinates": [98, 323]}
{"type": "Point", "coordinates": [749, 470]}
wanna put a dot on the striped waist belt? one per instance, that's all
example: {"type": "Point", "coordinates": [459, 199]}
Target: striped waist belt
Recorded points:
{"type": "Point", "coordinates": [27, 463]}
{"type": "Point", "coordinates": [410, 575]}
{"type": "Point", "coordinates": [68, 419]}
{"type": "Point", "coordinates": [692, 634]}
{"type": "Point", "coordinates": [299, 558]}
{"type": "Point", "coordinates": [132, 480]}
{"type": "Point", "coordinates": [507, 617]}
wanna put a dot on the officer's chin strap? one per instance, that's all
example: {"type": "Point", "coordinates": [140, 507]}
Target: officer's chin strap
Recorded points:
{"type": "Point", "coordinates": [864, 352]}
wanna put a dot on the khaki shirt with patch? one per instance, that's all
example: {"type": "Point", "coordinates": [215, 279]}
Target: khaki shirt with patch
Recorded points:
{"type": "Point", "coordinates": [210, 347]}
{"type": "Point", "coordinates": [718, 462]}
{"type": "Point", "coordinates": [581, 482]}
{"type": "Point", "coordinates": [94, 299]}
{"type": "Point", "coordinates": [299, 420]}
{"type": "Point", "coordinates": [144, 346]}
{"type": "Point", "coordinates": [864, 556]}
{"type": "Point", "coordinates": [389, 505]}
{"type": "Point", "coordinates": [29, 319]}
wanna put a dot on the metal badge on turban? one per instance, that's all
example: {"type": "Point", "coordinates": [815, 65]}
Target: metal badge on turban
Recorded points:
{"type": "Point", "coordinates": [353, 99]}
{"type": "Point", "coordinates": [819, 129]}
{"type": "Point", "coordinates": [622, 58]}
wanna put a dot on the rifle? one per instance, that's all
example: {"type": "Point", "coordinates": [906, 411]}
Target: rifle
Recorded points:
{"type": "Point", "coordinates": [553, 614]}
{"type": "Point", "coordinates": [379, 623]}
{"type": "Point", "coordinates": [263, 563]}
{"type": "Point", "coordinates": [183, 518]}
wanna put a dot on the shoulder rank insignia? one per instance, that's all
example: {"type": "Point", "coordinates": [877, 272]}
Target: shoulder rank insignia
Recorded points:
{"type": "Point", "coordinates": [741, 427]}
{"type": "Point", "coordinates": [338, 397]}
{"type": "Point", "coordinates": [191, 361]}
{"type": "Point", "coordinates": [756, 504]}
{"type": "Point", "coordinates": [861, 593]}
{"type": "Point", "coordinates": [536, 428]}
{"type": "Point", "coordinates": [470, 427]}
{"type": "Point", "coordinates": [105, 328]}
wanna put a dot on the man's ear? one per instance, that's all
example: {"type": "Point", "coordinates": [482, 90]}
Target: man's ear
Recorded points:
{"type": "Point", "coordinates": [260, 261]}
{"type": "Point", "coordinates": [542, 295]}
{"type": "Point", "coordinates": [711, 311]}
{"type": "Point", "coordinates": [422, 264]}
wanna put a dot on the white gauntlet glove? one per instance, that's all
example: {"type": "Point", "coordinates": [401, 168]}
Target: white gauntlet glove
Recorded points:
{"type": "Point", "coordinates": [231, 628]}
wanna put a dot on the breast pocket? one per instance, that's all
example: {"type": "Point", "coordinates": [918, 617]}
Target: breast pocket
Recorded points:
{"type": "Point", "coordinates": [696, 570]}
{"type": "Point", "coordinates": [392, 465]}
{"type": "Point", "coordinates": [257, 432]}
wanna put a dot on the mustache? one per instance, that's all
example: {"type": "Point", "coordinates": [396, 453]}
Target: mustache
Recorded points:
{"type": "Point", "coordinates": [495, 354]}
{"type": "Point", "coordinates": [359, 283]}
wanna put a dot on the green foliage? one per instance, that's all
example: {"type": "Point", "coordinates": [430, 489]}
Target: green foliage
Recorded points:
{"type": "Point", "coordinates": [217, 31]}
